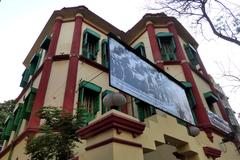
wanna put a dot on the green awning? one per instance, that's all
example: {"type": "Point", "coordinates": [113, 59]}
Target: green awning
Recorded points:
{"type": "Point", "coordinates": [92, 33]}
{"type": "Point", "coordinates": [139, 44]}
{"type": "Point", "coordinates": [211, 97]}
{"type": "Point", "coordinates": [187, 84]}
{"type": "Point", "coordinates": [104, 41]}
{"type": "Point", "coordinates": [90, 86]}
{"type": "Point", "coordinates": [45, 43]}
{"type": "Point", "coordinates": [104, 93]}
{"type": "Point", "coordinates": [164, 34]}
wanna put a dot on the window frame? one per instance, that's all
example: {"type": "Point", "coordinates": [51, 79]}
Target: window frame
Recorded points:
{"type": "Point", "coordinates": [104, 50]}
{"type": "Point", "coordinates": [92, 88]}
{"type": "Point", "coordinates": [85, 44]}
{"type": "Point", "coordinates": [167, 56]}
{"type": "Point", "coordinates": [191, 100]}
{"type": "Point", "coordinates": [140, 46]}
{"type": "Point", "coordinates": [141, 110]}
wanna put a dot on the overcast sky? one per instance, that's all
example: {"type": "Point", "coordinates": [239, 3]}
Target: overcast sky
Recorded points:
{"type": "Point", "coordinates": [22, 21]}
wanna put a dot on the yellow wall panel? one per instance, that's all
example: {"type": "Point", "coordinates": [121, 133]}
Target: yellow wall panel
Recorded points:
{"type": "Point", "coordinates": [65, 38]}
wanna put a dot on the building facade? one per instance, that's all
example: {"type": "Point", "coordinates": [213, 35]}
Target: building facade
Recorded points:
{"type": "Point", "coordinates": [68, 67]}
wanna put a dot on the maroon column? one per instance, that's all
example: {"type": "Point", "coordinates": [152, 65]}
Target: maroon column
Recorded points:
{"type": "Point", "coordinates": [201, 113]}
{"type": "Point", "coordinates": [68, 102]}
{"type": "Point", "coordinates": [154, 45]}
{"type": "Point", "coordinates": [47, 66]}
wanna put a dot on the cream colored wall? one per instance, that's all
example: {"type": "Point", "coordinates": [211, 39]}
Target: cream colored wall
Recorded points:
{"type": "Point", "coordinates": [96, 154]}
{"type": "Point", "coordinates": [182, 44]}
{"type": "Point", "coordinates": [156, 128]}
{"type": "Point", "coordinates": [163, 152]}
{"type": "Point", "coordinates": [19, 151]}
{"type": "Point", "coordinates": [145, 39]}
{"type": "Point", "coordinates": [5, 157]}
{"type": "Point", "coordinates": [120, 151]}
{"type": "Point", "coordinates": [203, 87]}
{"type": "Point", "coordinates": [175, 71]}
{"type": "Point", "coordinates": [87, 73]}
{"type": "Point", "coordinates": [57, 83]}
{"type": "Point", "coordinates": [36, 81]}
{"type": "Point", "coordinates": [65, 38]}
{"type": "Point", "coordinates": [102, 36]}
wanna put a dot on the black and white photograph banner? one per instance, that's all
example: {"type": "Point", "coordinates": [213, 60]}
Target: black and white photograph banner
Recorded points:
{"type": "Point", "coordinates": [132, 75]}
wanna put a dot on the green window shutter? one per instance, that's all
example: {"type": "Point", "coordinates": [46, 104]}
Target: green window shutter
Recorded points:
{"type": "Point", "coordinates": [191, 54]}
{"type": "Point", "coordinates": [90, 86]}
{"type": "Point", "coordinates": [141, 115]}
{"type": "Point", "coordinates": [34, 63]}
{"type": "Point", "coordinates": [173, 45]}
{"type": "Point", "coordinates": [159, 43]}
{"type": "Point", "coordinates": [81, 95]}
{"type": "Point", "coordinates": [104, 53]}
{"type": "Point", "coordinates": [96, 105]}
{"type": "Point", "coordinates": [24, 114]}
{"type": "Point", "coordinates": [191, 98]}
{"type": "Point", "coordinates": [168, 52]}
{"type": "Point", "coordinates": [140, 109]}
{"type": "Point", "coordinates": [17, 117]}
{"type": "Point", "coordinates": [30, 103]}
{"type": "Point", "coordinates": [9, 127]}
{"type": "Point", "coordinates": [104, 93]}
{"type": "Point", "coordinates": [140, 49]}
{"type": "Point", "coordinates": [25, 77]}
{"type": "Point", "coordinates": [85, 38]}
{"type": "Point", "coordinates": [90, 44]}
{"type": "Point", "coordinates": [153, 110]}
{"type": "Point", "coordinates": [93, 87]}
{"type": "Point", "coordinates": [46, 42]}
{"type": "Point", "coordinates": [189, 94]}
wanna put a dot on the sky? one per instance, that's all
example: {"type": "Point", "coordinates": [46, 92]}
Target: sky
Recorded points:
{"type": "Point", "coordinates": [21, 22]}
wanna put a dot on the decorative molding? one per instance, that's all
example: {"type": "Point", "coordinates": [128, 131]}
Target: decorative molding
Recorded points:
{"type": "Point", "coordinates": [93, 64]}
{"type": "Point", "coordinates": [209, 129]}
{"type": "Point", "coordinates": [212, 152]}
{"type": "Point", "coordinates": [111, 140]}
{"type": "Point", "coordinates": [177, 62]}
{"type": "Point", "coordinates": [61, 57]}
{"type": "Point", "coordinates": [112, 121]}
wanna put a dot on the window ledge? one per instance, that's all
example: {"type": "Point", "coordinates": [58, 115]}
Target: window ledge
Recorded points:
{"type": "Point", "coordinates": [174, 62]}
{"type": "Point", "coordinates": [92, 63]}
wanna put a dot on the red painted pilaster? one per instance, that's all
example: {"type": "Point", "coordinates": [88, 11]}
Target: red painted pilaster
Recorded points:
{"type": "Point", "coordinates": [68, 103]}
{"type": "Point", "coordinates": [201, 113]}
{"type": "Point", "coordinates": [179, 52]}
{"type": "Point", "coordinates": [47, 66]}
{"type": "Point", "coordinates": [154, 45]}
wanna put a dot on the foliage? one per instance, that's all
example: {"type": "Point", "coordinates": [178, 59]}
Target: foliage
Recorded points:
{"type": "Point", "coordinates": [5, 109]}
{"type": "Point", "coordinates": [222, 16]}
{"type": "Point", "coordinates": [57, 137]}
